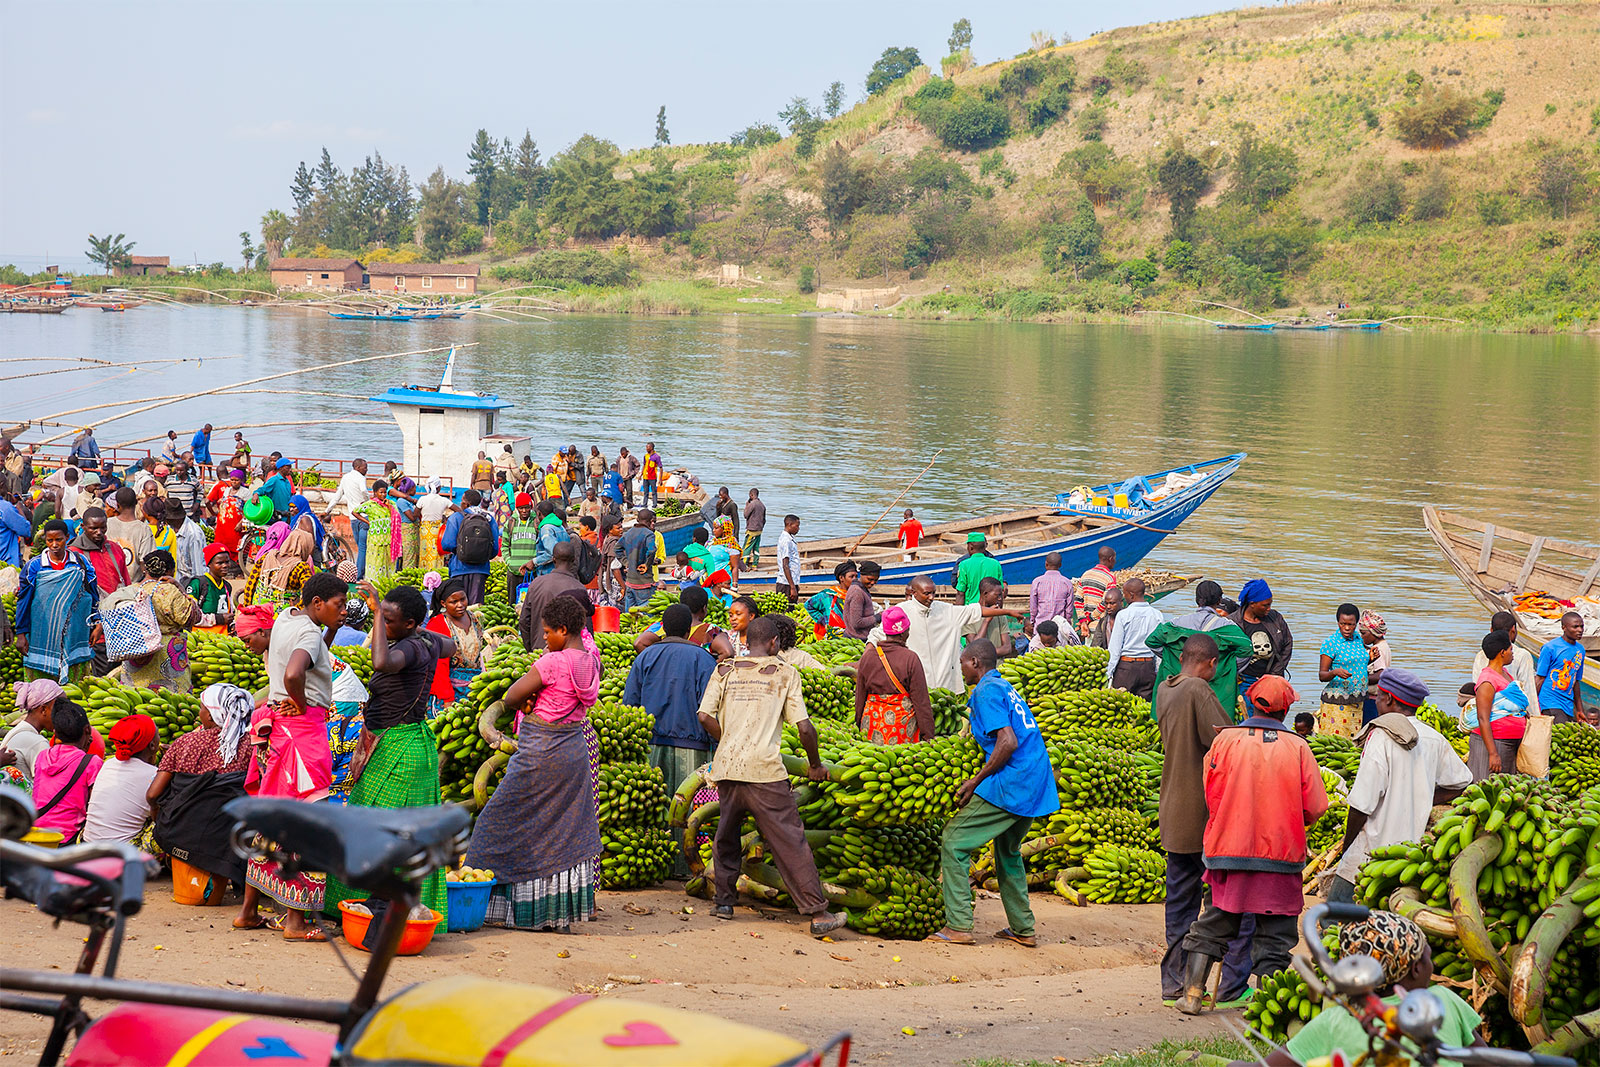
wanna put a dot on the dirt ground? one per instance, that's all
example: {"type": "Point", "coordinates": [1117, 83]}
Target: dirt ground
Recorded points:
{"type": "Point", "coordinates": [1089, 989]}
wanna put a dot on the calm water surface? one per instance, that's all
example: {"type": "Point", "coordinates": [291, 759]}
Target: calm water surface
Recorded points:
{"type": "Point", "coordinates": [1348, 434]}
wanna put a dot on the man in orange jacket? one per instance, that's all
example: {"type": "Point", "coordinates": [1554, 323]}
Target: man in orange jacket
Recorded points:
{"type": "Point", "coordinates": [1263, 789]}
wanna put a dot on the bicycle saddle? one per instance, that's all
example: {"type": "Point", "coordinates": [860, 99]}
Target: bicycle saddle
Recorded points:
{"type": "Point", "coordinates": [362, 847]}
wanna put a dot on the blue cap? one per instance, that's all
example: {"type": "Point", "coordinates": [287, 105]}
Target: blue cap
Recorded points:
{"type": "Point", "coordinates": [282, 463]}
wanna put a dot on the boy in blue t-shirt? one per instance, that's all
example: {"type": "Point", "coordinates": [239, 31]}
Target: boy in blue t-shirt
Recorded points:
{"type": "Point", "coordinates": [1015, 786]}
{"type": "Point", "coordinates": [1561, 664]}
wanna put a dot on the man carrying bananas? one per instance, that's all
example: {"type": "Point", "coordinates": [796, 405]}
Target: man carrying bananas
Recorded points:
{"type": "Point", "coordinates": [1015, 786]}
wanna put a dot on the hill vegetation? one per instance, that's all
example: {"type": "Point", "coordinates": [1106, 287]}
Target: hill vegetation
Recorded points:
{"type": "Point", "coordinates": [1426, 158]}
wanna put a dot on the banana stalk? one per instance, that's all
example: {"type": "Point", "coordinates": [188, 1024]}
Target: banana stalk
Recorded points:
{"type": "Point", "coordinates": [1530, 974]}
{"type": "Point", "coordinates": [1407, 901]}
{"type": "Point", "coordinates": [486, 724]}
{"type": "Point", "coordinates": [683, 800]}
{"type": "Point", "coordinates": [480, 781]}
{"type": "Point", "coordinates": [1065, 889]}
{"type": "Point", "coordinates": [1042, 844]}
{"type": "Point", "coordinates": [798, 767]}
{"type": "Point", "coordinates": [1474, 933]}
{"type": "Point", "coordinates": [1580, 1032]}
{"type": "Point", "coordinates": [691, 830]}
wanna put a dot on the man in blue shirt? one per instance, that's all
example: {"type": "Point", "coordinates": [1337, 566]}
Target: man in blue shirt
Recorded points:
{"type": "Point", "coordinates": [471, 555]}
{"type": "Point", "coordinates": [200, 445]}
{"type": "Point", "coordinates": [1015, 786]}
{"type": "Point", "coordinates": [1561, 664]}
{"type": "Point", "coordinates": [668, 680]}
{"type": "Point", "coordinates": [12, 527]}
{"type": "Point", "coordinates": [277, 490]}
{"type": "Point", "coordinates": [611, 486]}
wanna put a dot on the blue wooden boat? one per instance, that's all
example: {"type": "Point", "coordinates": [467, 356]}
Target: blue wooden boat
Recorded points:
{"type": "Point", "coordinates": [1357, 325]}
{"type": "Point", "coordinates": [1261, 326]}
{"type": "Point", "coordinates": [369, 316]}
{"type": "Point", "coordinates": [1304, 325]}
{"type": "Point", "coordinates": [1021, 540]}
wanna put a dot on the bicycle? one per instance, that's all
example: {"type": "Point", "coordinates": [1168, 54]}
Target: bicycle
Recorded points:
{"type": "Point", "coordinates": [387, 853]}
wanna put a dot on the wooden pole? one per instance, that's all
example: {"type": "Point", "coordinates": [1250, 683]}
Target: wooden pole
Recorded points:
{"type": "Point", "coordinates": [896, 500]}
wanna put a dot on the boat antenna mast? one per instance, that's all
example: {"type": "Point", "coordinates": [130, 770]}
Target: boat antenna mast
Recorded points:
{"type": "Point", "coordinates": [447, 379]}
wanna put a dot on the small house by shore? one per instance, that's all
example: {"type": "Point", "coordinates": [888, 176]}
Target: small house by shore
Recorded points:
{"type": "Point", "coordinates": [423, 279]}
{"type": "Point", "coordinates": [317, 274]}
{"type": "Point", "coordinates": [144, 266]}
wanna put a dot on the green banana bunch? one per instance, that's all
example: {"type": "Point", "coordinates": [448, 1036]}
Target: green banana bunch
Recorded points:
{"type": "Point", "coordinates": [108, 702]}
{"type": "Point", "coordinates": [624, 731]}
{"type": "Point", "coordinates": [616, 654]}
{"type": "Point", "coordinates": [906, 904]}
{"type": "Point", "coordinates": [899, 784]}
{"type": "Point", "coordinates": [913, 848]}
{"type": "Point", "coordinates": [1051, 671]}
{"type": "Point", "coordinates": [1076, 832]}
{"type": "Point", "coordinates": [633, 796]}
{"type": "Point", "coordinates": [1448, 725]}
{"type": "Point", "coordinates": [835, 651]}
{"type": "Point", "coordinates": [1576, 775]}
{"type": "Point", "coordinates": [772, 603]}
{"type": "Point", "coordinates": [949, 711]}
{"type": "Point", "coordinates": [217, 658]}
{"type": "Point", "coordinates": [496, 612]}
{"type": "Point", "coordinates": [1090, 776]}
{"type": "Point", "coordinates": [1118, 875]}
{"type": "Point", "coordinates": [827, 696]}
{"type": "Point", "coordinates": [1142, 736]}
{"type": "Point", "coordinates": [635, 859]}
{"type": "Point", "coordinates": [1060, 714]}
{"type": "Point", "coordinates": [508, 662]}
{"type": "Point", "coordinates": [1282, 1002]}
{"type": "Point", "coordinates": [359, 657]}
{"type": "Point", "coordinates": [1337, 754]}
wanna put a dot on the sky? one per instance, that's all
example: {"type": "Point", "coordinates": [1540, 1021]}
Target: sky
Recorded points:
{"type": "Point", "coordinates": [180, 124]}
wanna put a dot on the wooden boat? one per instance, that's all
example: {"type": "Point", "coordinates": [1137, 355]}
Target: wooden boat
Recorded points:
{"type": "Point", "coordinates": [370, 316]}
{"type": "Point", "coordinates": [1262, 326]}
{"type": "Point", "coordinates": [1496, 563]}
{"type": "Point", "coordinates": [1157, 584]}
{"type": "Point", "coordinates": [1357, 325]}
{"type": "Point", "coordinates": [678, 530]}
{"type": "Point", "coordinates": [1303, 325]}
{"type": "Point", "coordinates": [1022, 539]}
{"type": "Point", "coordinates": [22, 308]}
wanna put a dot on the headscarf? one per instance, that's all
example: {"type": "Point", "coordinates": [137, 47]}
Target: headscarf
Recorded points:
{"type": "Point", "coordinates": [158, 564]}
{"type": "Point", "coordinates": [34, 695]}
{"type": "Point", "coordinates": [299, 505]}
{"type": "Point", "coordinates": [434, 484]}
{"type": "Point", "coordinates": [722, 533]}
{"type": "Point", "coordinates": [1371, 625]}
{"type": "Point", "coordinates": [252, 619]}
{"type": "Point", "coordinates": [132, 735]}
{"type": "Point", "coordinates": [276, 533]}
{"type": "Point", "coordinates": [357, 615]}
{"type": "Point", "coordinates": [230, 708]}
{"type": "Point", "coordinates": [346, 571]}
{"type": "Point", "coordinates": [1270, 694]}
{"type": "Point", "coordinates": [1254, 591]}
{"type": "Point", "coordinates": [445, 590]}
{"type": "Point", "coordinates": [1394, 941]}
{"type": "Point", "coordinates": [279, 565]}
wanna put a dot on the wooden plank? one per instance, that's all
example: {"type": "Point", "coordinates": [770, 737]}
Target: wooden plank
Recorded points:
{"type": "Point", "coordinates": [1587, 581]}
{"type": "Point", "coordinates": [1527, 564]}
{"type": "Point", "coordinates": [1488, 548]}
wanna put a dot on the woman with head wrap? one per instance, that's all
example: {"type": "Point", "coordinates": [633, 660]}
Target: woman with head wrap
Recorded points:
{"type": "Point", "coordinates": [253, 626]}
{"type": "Point", "coordinates": [1375, 635]}
{"type": "Point", "coordinates": [1271, 642]}
{"type": "Point", "coordinates": [272, 539]}
{"type": "Point", "coordinates": [200, 772]}
{"type": "Point", "coordinates": [431, 509]}
{"type": "Point", "coordinates": [300, 507]}
{"type": "Point", "coordinates": [119, 806]}
{"type": "Point", "coordinates": [452, 619]}
{"type": "Point", "coordinates": [1402, 950]}
{"type": "Point", "coordinates": [275, 578]}
{"type": "Point", "coordinates": [724, 537]}
{"type": "Point", "coordinates": [56, 595]}
{"type": "Point", "coordinates": [402, 770]}
{"type": "Point", "coordinates": [383, 532]}
{"type": "Point", "coordinates": [176, 613]}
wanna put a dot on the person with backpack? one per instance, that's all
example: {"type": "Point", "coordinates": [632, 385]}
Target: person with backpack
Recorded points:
{"type": "Point", "coordinates": [552, 532]}
{"type": "Point", "coordinates": [472, 540]}
{"type": "Point", "coordinates": [639, 555]}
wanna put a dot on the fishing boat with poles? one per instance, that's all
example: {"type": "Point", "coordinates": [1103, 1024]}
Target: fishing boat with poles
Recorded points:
{"type": "Point", "coordinates": [1263, 327]}
{"type": "Point", "coordinates": [1131, 517]}
{"type": "Point", "coordinates": [370, 316]}
{"type": "Point", "coordinates": [1501, 567]}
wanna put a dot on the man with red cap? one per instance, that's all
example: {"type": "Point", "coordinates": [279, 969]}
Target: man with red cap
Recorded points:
{"type": "Point", "coordinates": [521, 545]}
{"type": "Point", "coordinates": [118, 808]}
{"type": "Point", "coordinates": [892, 702]}
{"type": "Point", "coordinates": [1263, 788]}
{"type": "Point", "coordinates": [1406, 768]}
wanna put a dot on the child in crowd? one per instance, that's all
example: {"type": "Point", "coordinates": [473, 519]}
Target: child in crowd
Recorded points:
{"type": "Point", "coordinates": [64, 773]}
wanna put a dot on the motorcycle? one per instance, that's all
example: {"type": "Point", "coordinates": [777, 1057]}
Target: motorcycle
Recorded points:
{"type": "Point", "coordinates": [459, 1020]}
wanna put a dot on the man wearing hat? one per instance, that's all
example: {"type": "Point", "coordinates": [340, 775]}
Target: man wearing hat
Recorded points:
{"type": "Point", "coordinates": [974, 567]}
{"type": "Point", "coordinates": [1406, 768]}
{"type": "Point", "coordinates": [892, 703]}
{"type": "Point", "coordinates": [1263, 788]}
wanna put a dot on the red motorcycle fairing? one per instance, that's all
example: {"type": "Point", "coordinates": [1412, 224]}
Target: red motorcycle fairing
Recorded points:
{"type": "Point", "coordinates": [156, 1034]}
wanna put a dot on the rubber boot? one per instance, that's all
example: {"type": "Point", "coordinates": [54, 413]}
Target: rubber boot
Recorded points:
{"type": "Point", "coordinates": [1197, 966]}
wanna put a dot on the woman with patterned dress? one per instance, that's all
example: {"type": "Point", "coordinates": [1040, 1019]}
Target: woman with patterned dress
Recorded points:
{"type": "Point", "coordinates": [176, 613]}
{"type": "Point", "coordinates": [452, 619]}
{"type": "Point", "coordinates": [383, 533]}
{"type": "Point", "coordinates": [56, 595]}
{"type": "Point", "coordinates": [432, 509]}
{"type": "Point", "coordinates": [276, 577]}
{"type": "Point", "coordinates": [1343, 670]}
{"type": "Point", "coordinates": [403, 768]}
{"type": "Point", "coordinates": [540, 832]}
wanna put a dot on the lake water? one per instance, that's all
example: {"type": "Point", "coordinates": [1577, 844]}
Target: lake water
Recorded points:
{"type": "Point", "coordinates": [1348, 433]}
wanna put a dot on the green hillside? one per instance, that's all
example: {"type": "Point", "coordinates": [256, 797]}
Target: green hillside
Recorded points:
{"type": "Point", "coordinates": [1400, 158]}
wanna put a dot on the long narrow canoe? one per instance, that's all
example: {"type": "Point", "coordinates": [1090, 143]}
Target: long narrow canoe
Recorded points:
{"type": "Point", "coordinates": [1262, 326]}
{"type": "Point", "coordinates": [1496, 563]}
{"type": "Point", "coordinates": [369, 316]}
{"type": "Point", "coordinates": [1022, 539]}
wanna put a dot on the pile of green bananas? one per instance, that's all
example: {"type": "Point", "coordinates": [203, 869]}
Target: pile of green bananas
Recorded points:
{"type": "Point", "coordinates": [634, 622]}
{"type": "Point", "coordinates": [217, 658]}
{"type": "Point", "coordinates": [1448, 725]}
{"type": "Point", "coordinates": [497, 612]}
{"type": "Point", "coordinates": [508, 662]}
{"type": "Point", "coordinates": [1574, 853]}
{"type": "Point", "coordinates": [1048, 671]}
{"type": "Point", "coordinates": [900, 904]}
{"type": "Point", "coordinates": [771, 603]}
{"type": "Point", "coordinates": [107, 702]}
{"type": "Point", "coordinates": [624, 731]}
{"type": "Point", "coordinates": [461, 748]}
{"type": "Point", "coordinates": [1337, 754]}
{"type": "Point", "coordinates": [1283, 1003]}
{"type": "Point", "coordinates": [635, 859]}
{"type": "Point", "coordinates": [1576, 775]}
{"type": "Point", "coordinates": [494, 588]}
{"type": "Point", "coordinates": [914, 848]}
{"type": "Point", "coordinates": [827, 696]}
{"type": "Point", "coordinates": [10, 664]}
{"type": "Point", "coordinates": [616, 653]}
{"type": "Point", "coordinates": [835, 651]}
{"type": "Point", "coordinates": [899, 784]}
{"type": "Point", "coordinates": [359, 657]}
{"type": "Point", "coordinates": [949, 711]}
{"type": "Point", "coordinates": [632, 796]}
{"type": "Point", "coordinates": [1117, 875]}
{"type": "Point", "coordinates": [1090, 776]}
{"type": "Point", "coordinates": [1066, 838]}
{"type": "Point", "coordinates": [1570, 740]}
{"type": "Point", "coordinates": [1143, 736]}
{"type": "Point", "coordinates": [1062, 713]}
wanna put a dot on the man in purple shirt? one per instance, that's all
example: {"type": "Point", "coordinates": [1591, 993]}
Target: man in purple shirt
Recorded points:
{"type": "Point", "coordinates": [1050, 595]}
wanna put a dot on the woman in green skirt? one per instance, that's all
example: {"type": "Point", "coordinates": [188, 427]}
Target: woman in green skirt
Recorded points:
{"type": "Point", "coordinates": [402, 770]}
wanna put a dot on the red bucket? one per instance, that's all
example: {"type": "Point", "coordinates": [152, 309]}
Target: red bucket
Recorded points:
{"type": "Point", "coordinates": [607, 620]}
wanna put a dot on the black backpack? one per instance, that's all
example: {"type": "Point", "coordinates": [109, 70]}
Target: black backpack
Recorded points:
{"type": "Point", "coordinates": [475, 540]}
{"type": "Point", "coordinates": [586, 560]}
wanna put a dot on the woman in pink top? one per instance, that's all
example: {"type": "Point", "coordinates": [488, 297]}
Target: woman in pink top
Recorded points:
{"type": "Point", "coordinates": [1498, 715]}
{"type": "Point", "coordinates": [565, 680]}
{"type": "Point", "coordinates": [64, 773]}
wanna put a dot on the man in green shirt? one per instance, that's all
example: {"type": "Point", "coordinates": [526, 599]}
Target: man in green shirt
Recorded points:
{"type": "Point", "coordinates": [1400, 946]}
{"type": "Point", "coordinates": [522, 544]}
{"type": "Point", "coordinates": [975, 567]}
{"type": "Point", "coordinates": [1233, 645]}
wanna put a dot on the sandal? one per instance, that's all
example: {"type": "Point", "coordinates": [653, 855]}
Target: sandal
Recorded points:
{"type": "Point", "coordinates": [313, 934]}
{"type": "Point", "coordinates": [257, 925]}
{"type": "Point", "coordinates": [1026, 941]}
{"type": "Point", "coordinates": [940, 935]}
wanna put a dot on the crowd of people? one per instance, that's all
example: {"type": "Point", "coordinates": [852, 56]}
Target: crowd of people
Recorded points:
{"type": "Point", "coordinates": [238, 547]}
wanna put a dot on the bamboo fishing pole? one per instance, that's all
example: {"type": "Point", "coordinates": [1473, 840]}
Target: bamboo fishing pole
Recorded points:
{"type": "Point", "coordinates": [892, 503]}
{"type": "Point", "coordinates": [257, 381]}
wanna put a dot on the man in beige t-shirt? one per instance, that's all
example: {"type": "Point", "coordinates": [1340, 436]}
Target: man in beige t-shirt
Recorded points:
{"type": "Point", "coordinates": [744, 708]}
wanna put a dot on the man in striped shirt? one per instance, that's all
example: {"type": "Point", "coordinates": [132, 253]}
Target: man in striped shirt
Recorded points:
{"type": "Point", "coordinates": [1092, 588]}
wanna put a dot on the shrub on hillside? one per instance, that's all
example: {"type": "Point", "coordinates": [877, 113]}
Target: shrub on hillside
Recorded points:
{"type": "Point", "coordinates": [1433, 197]}
{"type": "Point", "coordinates": [584, 266]}
{"type": "Point", "coordinates": [1124, 71]}
{"type": "Point", "coordinates": [963, 120]}
{"type": "Point", "coordinates": [1438, 117]}
{"type": "Point", "coordinates": [1097, 170]}
{"type": "Point", "coordinates": [1375, 195]}
{"type": "Point", "coordinates": [892, 65]}
{"type": "Point", "coordinates": [808, 279]}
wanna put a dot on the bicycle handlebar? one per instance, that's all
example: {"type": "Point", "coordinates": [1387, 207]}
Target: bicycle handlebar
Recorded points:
{"type": "Point", "coordinates": [1502, 1057]}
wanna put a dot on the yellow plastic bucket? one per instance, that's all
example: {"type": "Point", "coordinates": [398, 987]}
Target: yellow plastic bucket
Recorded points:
{"type": "Point", "coordinates": [1121, 500]}
{"type": "Point", "coordinates": [194, 887]}
{"type": "Point", "coordinates": [43, 838]}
